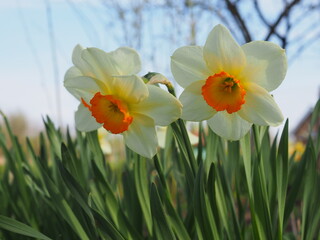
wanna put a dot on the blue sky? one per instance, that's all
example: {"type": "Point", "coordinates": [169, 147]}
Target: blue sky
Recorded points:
{"type": "Point", "coordinates": [27, 80]}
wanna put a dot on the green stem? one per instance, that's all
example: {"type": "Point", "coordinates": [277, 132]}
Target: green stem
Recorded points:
{"type": "Point", "coordinates": [160, 171]}
{"type": "Point", "coordinates": [189, 149]}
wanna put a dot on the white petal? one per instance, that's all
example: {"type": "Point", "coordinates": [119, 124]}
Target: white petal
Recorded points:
{"type": "Point", "coordinates": [222, 52]}
{"type": "Point", "coordinates": [260, 107]}
{"type": "Point", "coordinates": [229, 126]}
{"type": "Point", "coordinates": [122, 61]}
{"type": "Point", "coordinates": [195, 108]}
{"type": "Point", "coordinates": [141, 136]}
{"type": "Point", "coordinates": [82, 65]}
{"type": "Point", "coordinates": [131, 88]}
{"type": "Point", "coordinates": [72, 72]}
{"type": "Point", "coordinates": [160, 105]}
{"type": "Point", "coordinates": [266, 64]}
{"type": "Point", "coordinates": [188, 65]}
{"type": "Point", "coordinates": [83, 87]}
{"type": "Point", "coordinates": [84, 120]}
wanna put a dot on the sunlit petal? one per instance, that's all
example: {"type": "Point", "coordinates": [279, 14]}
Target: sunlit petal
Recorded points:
{"type": "Point", "coordinates": [85, 68]}
{"type": "Point", "coordinates": [229, 126]}
{"type": "Point", "coordinates": [222, 53]}
{"type": "Point", "coordinates": [195, 107]}
{"type": "Point", "coordinates": [260, 107]}
{"type": "Point", "coordinates": [122, 61]}
{"type": "Point", "coordinates": [266, 64]}
{"type": "Point", "coordinates": [188, 65]}
{"type": "Point", "coordinates": [130, 88]}
{"type": "Point", "coordinates": [141, 136]}
{"type": "Point", "coordinates": [83, 87]}
{"type": "Point", "coordinates": [160, 105]}
{"type": "Point", "coordinates": [72, 73]}
{"type": "Point", "coordinates": [84, 120]}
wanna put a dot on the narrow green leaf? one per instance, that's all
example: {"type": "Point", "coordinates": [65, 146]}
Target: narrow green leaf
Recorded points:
{"type": "Point", "coordinates": [112, 205]}
{"type": "Point", "coordinates": [78, 193]}
{"type": "Point", "coordinates": [202, 208]}
{"type": "Point", "coordinates": [141, 182]}
{"type": "Point", "coordinates": [61, 205]}
{"type": "Point", "coordinates": [107, 227]}
{"type": "Point", "coordinates": [308, 203]}
{"type": "Point", "coordinates": [246, 153]}
{"type": "Point", "coordinates": [282, 176]}
{"type": "Point", "coordinates": [15, 226]}
{"type": "Point", "coordinates": [172, 216]}
{"type": "Point", "coordinates": [315, 116]}
{"type": "Point", "coordinates": [161, 228]}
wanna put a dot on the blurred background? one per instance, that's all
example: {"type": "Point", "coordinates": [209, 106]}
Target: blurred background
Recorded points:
{"type": "Point", "coordinates": [38, 36]}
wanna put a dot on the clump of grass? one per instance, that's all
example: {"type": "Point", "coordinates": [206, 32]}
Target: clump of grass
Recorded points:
{"type": "Point", "coordinates": [247, 189]}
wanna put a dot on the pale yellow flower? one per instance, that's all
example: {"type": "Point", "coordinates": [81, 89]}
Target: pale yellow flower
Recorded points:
{"type": "Point", "coordinates": [228, 85]}
{"type": "Point", "coordinates": [113, 96]}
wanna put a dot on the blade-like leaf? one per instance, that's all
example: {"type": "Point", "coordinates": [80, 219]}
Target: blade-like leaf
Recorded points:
{"type": "Point", "coordinates": [15, 226]}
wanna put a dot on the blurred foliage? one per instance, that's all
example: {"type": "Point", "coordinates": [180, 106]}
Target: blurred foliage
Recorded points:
{"type": "Point", "coordinates": [247, 189]}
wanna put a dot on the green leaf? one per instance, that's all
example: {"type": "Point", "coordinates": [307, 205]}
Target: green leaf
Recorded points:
{"type": "Point", "coordinates": [141, 182]}
{"type": "Point", "coordinates": [175, 221]}
{"type": "Point", "coordinates": [310, 204]}
{"type": "Point", "coordinates": [202, 208]}
{"type": "Point", "coordinates": [161, 227]}
{"type": "Point", "coordinates": [257, 224]}
{"type": "Point", "coordinates": [315, 116]}
{"type": "Point", "coordinates": [282, 176]}
{"type": "Point", "coordinates": [107, 227]}
{"type": "Point", "coordinates": [111, 206]}
{"type": "Point", "coordinates": [62, 207]}
{"type": "Point", "coordinates": [78, 193]}
{"type": "Point", "coordinates": [15, 226]}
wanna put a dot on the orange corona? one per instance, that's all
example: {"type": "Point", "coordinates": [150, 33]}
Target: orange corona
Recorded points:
{"type": "Point", "coordinates": [223, 91]}
{"type": "Point", "coordinates": [110, 111]}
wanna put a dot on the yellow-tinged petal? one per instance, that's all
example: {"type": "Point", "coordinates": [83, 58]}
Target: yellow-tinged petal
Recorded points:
{"type": "Point", "coordinates": [160, 105]}
{"type": "Point", "coordinates": [222, 53]}
{"type": "Point", "coordinates": [260, 107]}
{"type": "Point", "coordinates": [85, 122]}
{"type": "Point", "coordinates": [188, 65]}
{"type": "Point", "coordinates": [82, 65]}
{"type": "Point", "coordinates": [130, 88]}
{"type": "Point", "coordinates": [83, 87]}
{"type": "Point", "coordinates": [141, 136]}
{"type": "Point", "coordinates": [266, 64]}
{"type": "Point", "coordinates": [195, 107]}
{"type": "Point", "coordinates": [229, 126]}
{"type": "Point", "coordinates": [122, 61]}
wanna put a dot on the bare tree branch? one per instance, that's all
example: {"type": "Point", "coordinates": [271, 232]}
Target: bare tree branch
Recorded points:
{"type": "Point", "coordinates": [284, 13]}
{"type": "Point", "coordinates": [232, 7]}
{"type": "Point", "coordinates": [264, 20]}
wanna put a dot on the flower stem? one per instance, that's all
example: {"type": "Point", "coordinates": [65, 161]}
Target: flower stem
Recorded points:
{"type": "Point", "coordinates": [187, 143]}
{"type": "Point", "coordinates": [158, 166]}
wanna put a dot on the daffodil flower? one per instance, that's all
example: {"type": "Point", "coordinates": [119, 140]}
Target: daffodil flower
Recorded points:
{"type": "Point", "coordinates": [228, 85]}
{"type": "Point", "coordinates": [113, 96]}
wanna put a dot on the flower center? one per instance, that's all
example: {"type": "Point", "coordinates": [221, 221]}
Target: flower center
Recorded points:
{"type": "Point", "coordinates": [110, 111]}
{"type": "Point", "coordinates": [223, 92]}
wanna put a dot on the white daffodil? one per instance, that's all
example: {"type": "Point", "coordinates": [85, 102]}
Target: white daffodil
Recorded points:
{"type": "Point", "coordinates": [112, 96]}
{"type": "Point", "coordinates": [228, 84]}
